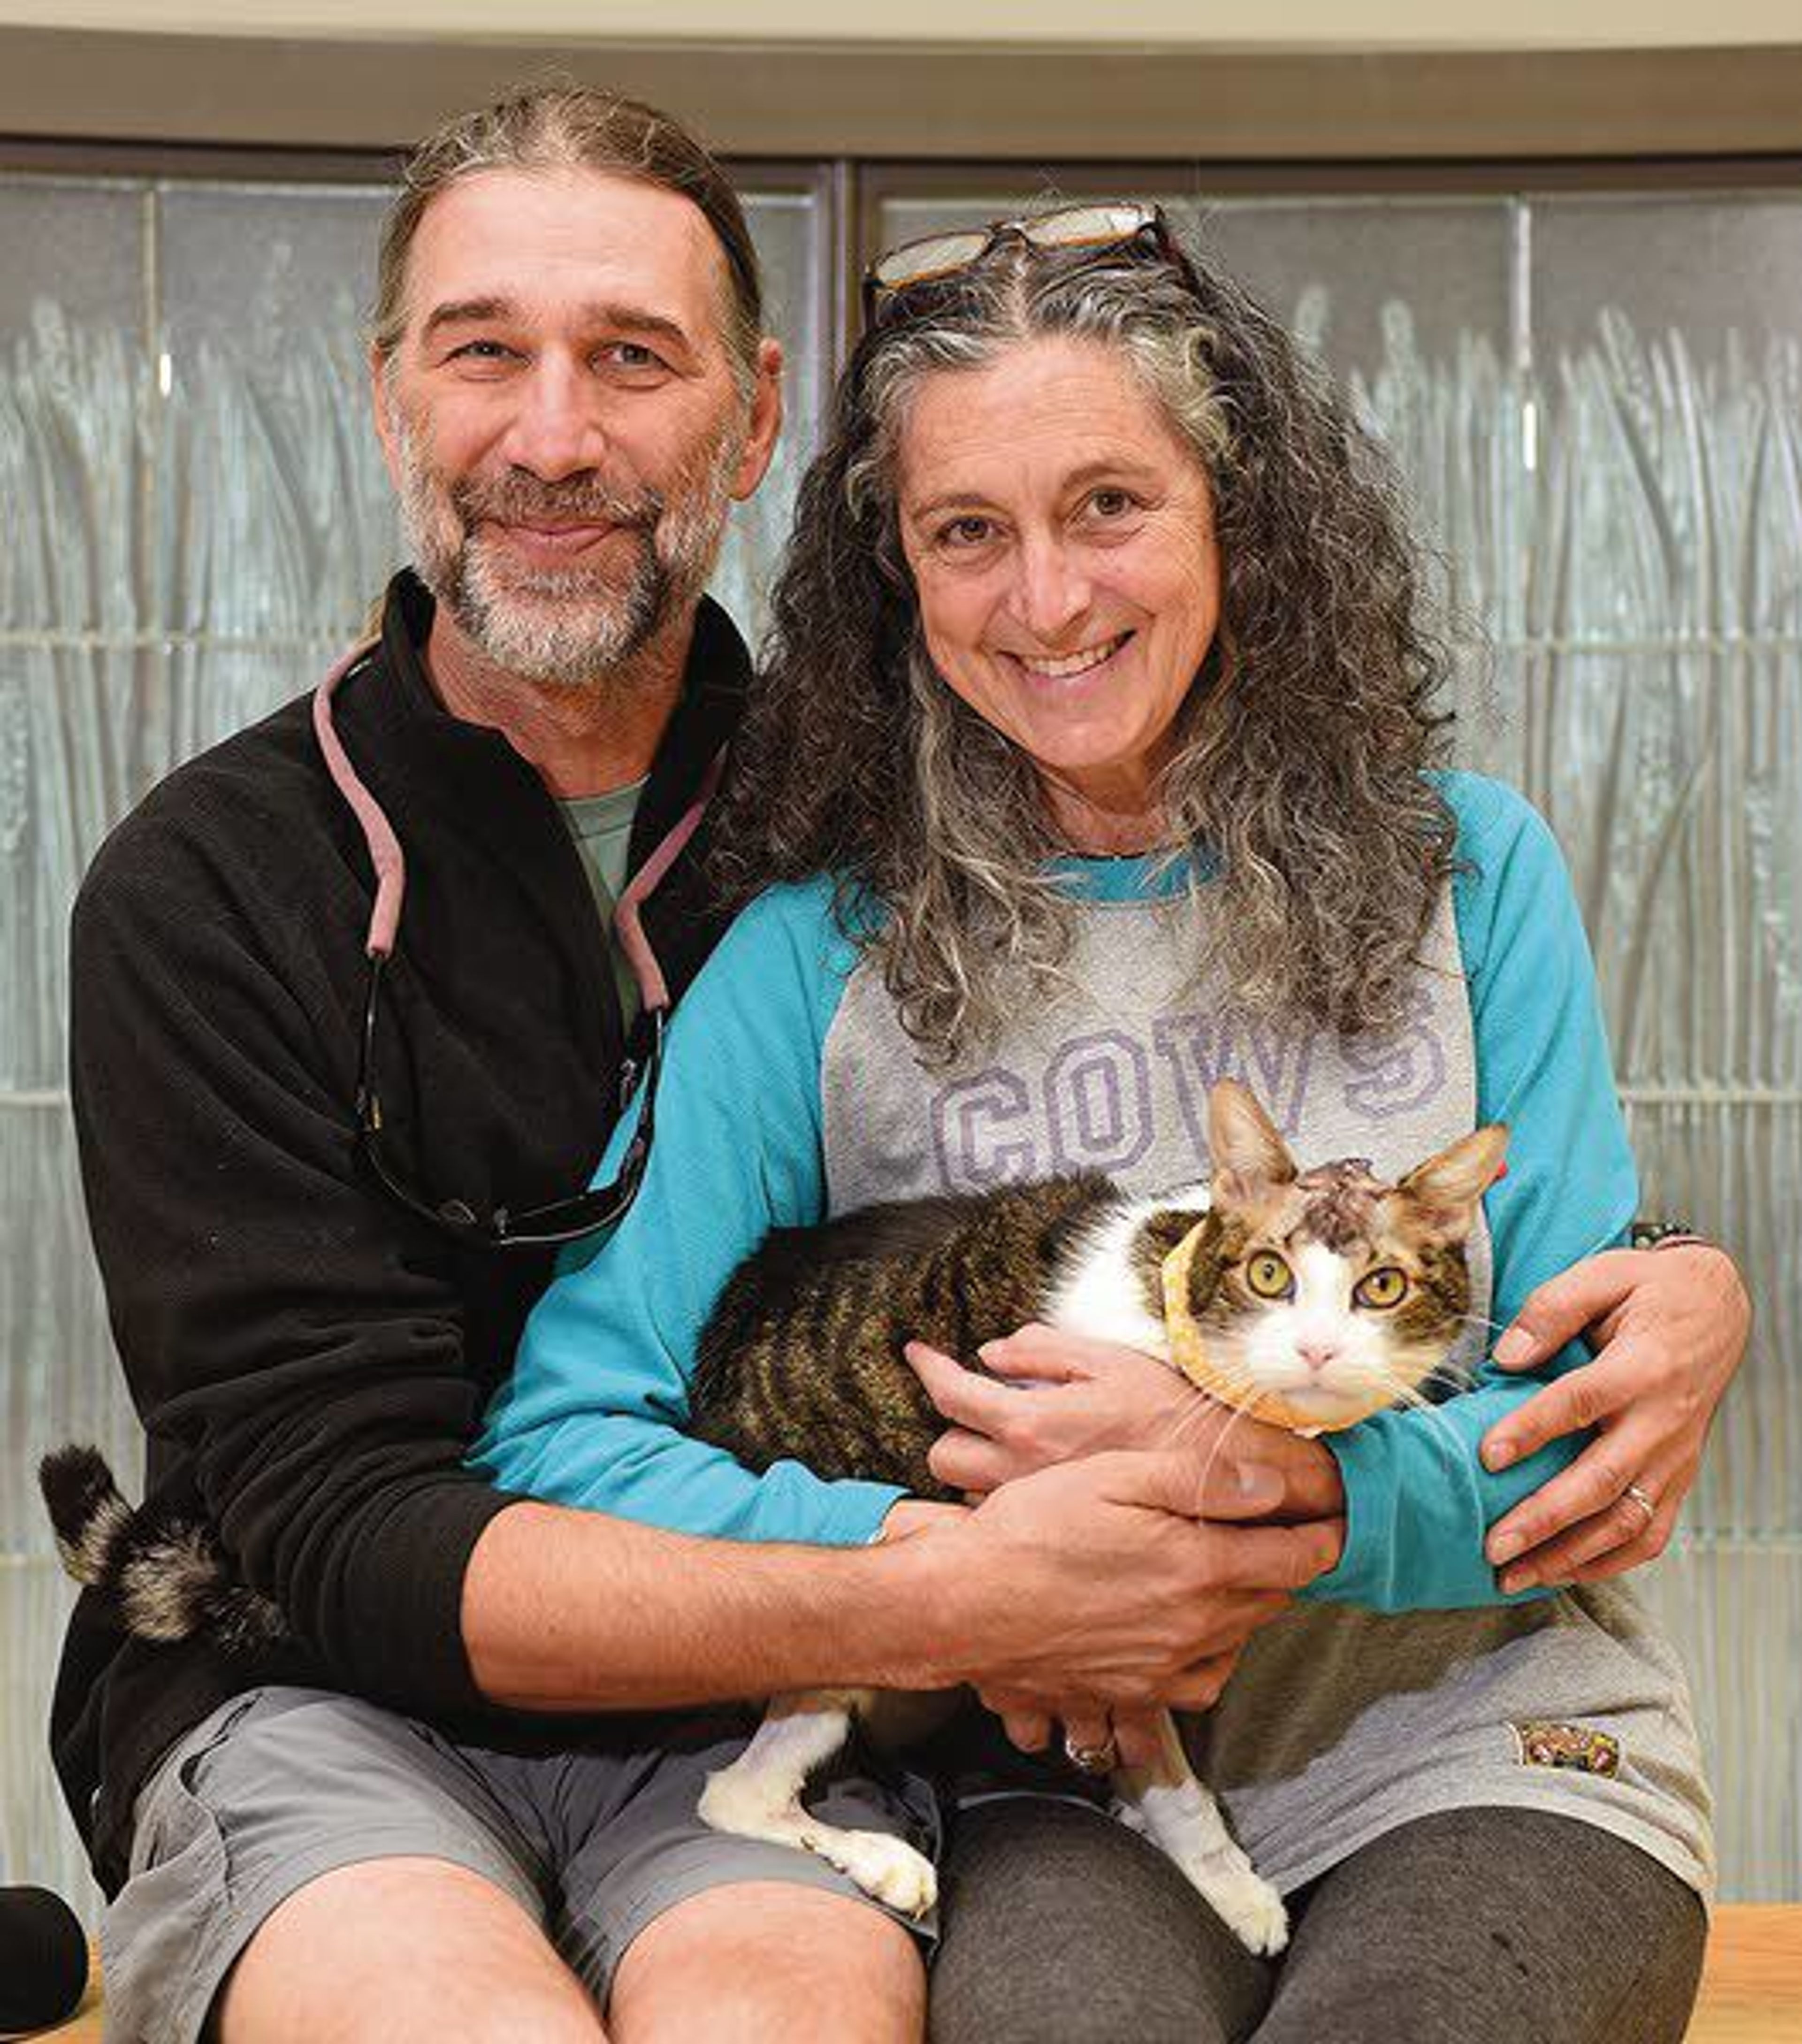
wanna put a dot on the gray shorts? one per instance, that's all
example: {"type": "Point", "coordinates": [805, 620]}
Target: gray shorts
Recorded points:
{"type": "Point", "coordinates": [594, 1839]}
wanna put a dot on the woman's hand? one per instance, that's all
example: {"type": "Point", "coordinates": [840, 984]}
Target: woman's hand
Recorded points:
{"type": "Point", "coordinates": [1052, 1397]}
{"type": "Point", "coordinates": [1129, 1739]}
{"type": "Point", "coordinates": [1671, 1327]}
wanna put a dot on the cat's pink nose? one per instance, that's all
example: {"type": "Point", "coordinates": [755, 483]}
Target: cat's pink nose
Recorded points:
{"type": "Point", "coordinates": [1317, 1355]}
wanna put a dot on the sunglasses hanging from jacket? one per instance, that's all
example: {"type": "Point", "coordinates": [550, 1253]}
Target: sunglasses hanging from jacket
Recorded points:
{"type": "Point", "coordinates": [559, 1221]}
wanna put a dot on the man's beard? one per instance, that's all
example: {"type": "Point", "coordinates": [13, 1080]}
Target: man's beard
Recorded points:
{"type": "Point", "coordinates": [571, 626]}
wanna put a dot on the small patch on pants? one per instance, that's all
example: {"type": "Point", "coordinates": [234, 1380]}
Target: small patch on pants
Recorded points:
{"type": "Point", "coordinates": [1543, 1743]}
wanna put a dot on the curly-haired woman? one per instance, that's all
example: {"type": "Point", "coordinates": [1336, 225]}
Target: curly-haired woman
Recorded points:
{"type": "Point", "coordinates": [1097, 756]}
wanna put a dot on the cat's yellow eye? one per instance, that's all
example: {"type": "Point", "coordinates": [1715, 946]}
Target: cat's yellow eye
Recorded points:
{"type": "Point", "coordinates": [1269, 1276]}
{"type": "Point", "coordinates": [1387, 1287]}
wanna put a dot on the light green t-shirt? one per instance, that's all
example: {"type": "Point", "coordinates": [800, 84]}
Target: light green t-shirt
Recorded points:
{"type": "Point", "coordinates": [601, 827]}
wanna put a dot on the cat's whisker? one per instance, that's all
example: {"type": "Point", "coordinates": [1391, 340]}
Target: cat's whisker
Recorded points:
{"type": "Point", "coordinates": [1245, 1400]}
{"type": "Point", "coordinates": [1437, 1422]}
{"type": "Point", "coordinates": [1492, 1326]}
{"type": "Point", "coordinates": [1254, 1398]}
{"type": "Point", "coordinates": [1486, 1322]}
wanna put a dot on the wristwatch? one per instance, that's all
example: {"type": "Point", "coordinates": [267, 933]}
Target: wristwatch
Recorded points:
{"type": "Point", "coordinates": [1663, 1233]}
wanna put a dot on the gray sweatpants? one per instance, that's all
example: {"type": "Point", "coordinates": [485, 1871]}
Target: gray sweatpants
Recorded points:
{"type": "Point", "coordinates": [1490, 1926]}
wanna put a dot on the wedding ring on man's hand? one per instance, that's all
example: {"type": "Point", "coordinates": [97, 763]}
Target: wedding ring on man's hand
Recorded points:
{"type": "Point", "coordinates": [1643, 1499]}
{"type": "Point", "coordinates": [1101, 1759]}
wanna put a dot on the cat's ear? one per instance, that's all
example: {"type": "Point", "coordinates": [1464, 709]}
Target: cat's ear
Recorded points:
{"type": "Point", "coordinates": [1249, 1156]}
{"type": "Point", "coordinates": [1444, 1191]}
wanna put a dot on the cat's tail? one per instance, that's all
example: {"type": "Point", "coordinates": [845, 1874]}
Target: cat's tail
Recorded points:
{"type": "Point", "coordinates": [168, 1580]}
{"type": "Point", "coordinates": [92, 1521]}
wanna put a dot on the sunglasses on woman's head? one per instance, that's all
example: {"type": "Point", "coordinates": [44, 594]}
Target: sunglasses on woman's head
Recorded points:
{"type": "Point", "coordinates": [933, 257]}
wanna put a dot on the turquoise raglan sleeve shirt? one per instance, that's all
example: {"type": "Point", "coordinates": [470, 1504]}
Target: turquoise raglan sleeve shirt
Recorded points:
{"type": "Point", "coordinates": [1418, 1501]}
{"type": "Point", "coordinates": [593, 1412]}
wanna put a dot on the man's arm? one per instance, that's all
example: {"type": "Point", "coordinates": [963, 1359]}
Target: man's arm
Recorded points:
{"type": "Point", "coordinates": [296, 1352]}
{"type": "Point", "coordinates": [1095, 1581]}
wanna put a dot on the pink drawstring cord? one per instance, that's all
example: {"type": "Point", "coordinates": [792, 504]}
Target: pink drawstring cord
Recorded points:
{"type": "Point", "coordinates": [390, 864]}
{"type": "Point", "coordinates": [385, 853]}
{"type": "Point", "coordinates": [652, 992]}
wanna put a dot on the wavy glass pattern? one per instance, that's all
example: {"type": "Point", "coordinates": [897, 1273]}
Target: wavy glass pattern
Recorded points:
{"type": "Point", "coordinates": [788, 229]}
{"type": "Point", "coordinates": [1597, 404]}
{"type": "Point", "coordinates": [59, 1381]}
{"type": "Point", "coordinates": [277, 520]}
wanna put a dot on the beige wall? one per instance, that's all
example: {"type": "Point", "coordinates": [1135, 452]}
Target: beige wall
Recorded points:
{"type": "Point", "coordinates": [1283, 24]}
{"type": "Point", "coordinates": [1603, 81]}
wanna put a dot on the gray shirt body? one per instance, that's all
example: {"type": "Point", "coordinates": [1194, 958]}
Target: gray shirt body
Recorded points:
{"type": "Point", "coordinates": [1339, 1723]}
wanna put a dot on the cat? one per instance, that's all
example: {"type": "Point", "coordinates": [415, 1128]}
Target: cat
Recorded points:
{"type": "Point", "coordinates": [1311, 1299]}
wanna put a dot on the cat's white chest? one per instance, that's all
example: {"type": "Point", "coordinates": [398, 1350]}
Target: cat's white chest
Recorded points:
{"type": "Point", "coordinates": [1100, 1294]}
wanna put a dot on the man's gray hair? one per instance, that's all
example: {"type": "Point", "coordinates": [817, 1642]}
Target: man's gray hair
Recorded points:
{"type": "Point", "coordinates": [564, 128]}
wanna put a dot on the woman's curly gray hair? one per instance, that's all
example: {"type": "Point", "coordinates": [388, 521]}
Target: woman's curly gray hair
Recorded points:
{"type": "Point", "coordinates": [1297, 770]}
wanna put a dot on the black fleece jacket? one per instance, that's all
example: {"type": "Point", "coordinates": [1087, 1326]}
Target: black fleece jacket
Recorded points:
{"type": "Point", "coordinates": [308, 1362]}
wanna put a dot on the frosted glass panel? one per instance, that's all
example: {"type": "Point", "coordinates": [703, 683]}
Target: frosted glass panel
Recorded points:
{"type": "Point", "coordinates": [74, 383]}
{"type": "Point", "coordinates": [58, 1381]}
{"type": "Point", "coordinates": [1705, 267]}
{"type": "Point", "coordinates": [1671, 499]}
{"type": "Point", "coordinates": [1664, 692]}
{"type": "Point", "coordinates": [1484, 694]}
{"type": "Point", "coordinates": [1673, 780]}
{"type": "Point", "coordinates": [790, 233]}
{"type": "Point", "coordinates": [75, 245]}
{"type": "Point", "coordinates": [73, 739]}
{"type": "Point", "coordinates": [37, 1842]}
{"type": "Point", "coordinates": [1427, 367]}
{"type": "Point", "coordinates": [60, 1374]}
{"type": "Point", "coordinates": [277, 515]}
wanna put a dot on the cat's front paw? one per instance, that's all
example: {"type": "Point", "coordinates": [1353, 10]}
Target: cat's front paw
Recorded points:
{"type": "Point", "coordinates": [1253, 1911]}
{"type": "Point", "coordinates": [889, 1868]}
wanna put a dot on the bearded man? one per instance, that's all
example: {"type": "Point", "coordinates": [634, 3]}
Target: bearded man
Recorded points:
{"type": "Point", "coordinates": [323, 1195]}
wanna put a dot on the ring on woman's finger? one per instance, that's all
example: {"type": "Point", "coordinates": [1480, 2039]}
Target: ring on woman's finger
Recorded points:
{"type": "Point", "coordinates": [1633, 1494]}
{"type": "Point", "coordinates": [1102, 1759]}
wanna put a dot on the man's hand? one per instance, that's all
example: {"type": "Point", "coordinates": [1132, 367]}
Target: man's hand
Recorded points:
{"type": "Point", "coordinates": [1116, 1583]}
{"type": "Point", "coordinates": [1671, 1326]}
{"type": "Point", "coordinates": [909, 1516]}
{"type": "Point", "coordinates": [1053, 1397]}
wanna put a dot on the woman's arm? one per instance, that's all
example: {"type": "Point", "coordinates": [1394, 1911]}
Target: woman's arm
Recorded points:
{"type": "Point", "coordinates": [1420, 1498]}
{"type": "Point", "coordinates": [593, 1412]}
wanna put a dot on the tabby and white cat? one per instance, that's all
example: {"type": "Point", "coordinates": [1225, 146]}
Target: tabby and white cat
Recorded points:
{"type": "Point", "coordinates": [1310, 1298]}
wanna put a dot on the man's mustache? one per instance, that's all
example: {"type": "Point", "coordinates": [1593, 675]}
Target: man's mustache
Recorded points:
{"type": "Point", "coordinates": [517, 499]}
